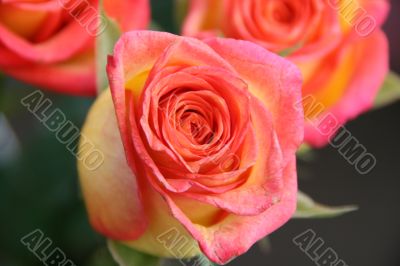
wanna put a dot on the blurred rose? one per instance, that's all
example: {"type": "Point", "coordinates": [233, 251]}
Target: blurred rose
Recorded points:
{"type": "Point", "coordinates": [203, 142]}
{"type": "Point", "coordinates": [342, 84]}
{"type": "Point", "coordinates": [276, 25]}
{"type": "Point", "coordinates": [338, 46]}
{"type": "Point", "coordinates": [50, 43]}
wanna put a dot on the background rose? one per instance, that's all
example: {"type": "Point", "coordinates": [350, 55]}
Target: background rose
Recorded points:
{"type": "Point", "coordinates": [342, 84]}
{"type": "Point", "coordinates": [209, 131]}
{"type": "Point", "coordinates": [306, 25]}
{"type": "Point", "coordinates": [338, 45]}
{"type": "Point", "coordinates": [51, 43]}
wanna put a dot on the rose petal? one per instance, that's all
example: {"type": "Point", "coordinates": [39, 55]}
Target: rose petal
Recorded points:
{"type": "Point", "coordinates": [272, 79]}
{"type": "Point", "coordinates": [76, 77]}
{"type": "Point", "coordinates": [130, 14]}
{"type": "Point", "coordinates": [55, 49]}
{"type": "Point", "coordinates": [111, 193]}
{"type": "Point", "coordinates": [233, 235]}
{"type": "Point", "coordinates": [199, 19]}
{"type": "Point", "coordinates": [263, 185]}
{"type": "Point", "coordinates": [359, 91]}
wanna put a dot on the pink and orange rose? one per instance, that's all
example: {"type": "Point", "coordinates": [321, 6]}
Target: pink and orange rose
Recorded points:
{"type": "Point", "coordinates": [337, 44]}
{"type": "Point", "coordinates": [50, 43]}
{"type": "Point", "coordinates": [276, 25]}
{"type": "Point", "coordinates": [198, 136]}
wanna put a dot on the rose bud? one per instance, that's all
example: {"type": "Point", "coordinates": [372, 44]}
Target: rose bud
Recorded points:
{"type": "Point", "coordinates": [51, 43]}
{"type": "Point", "coordinates": [199, 141]}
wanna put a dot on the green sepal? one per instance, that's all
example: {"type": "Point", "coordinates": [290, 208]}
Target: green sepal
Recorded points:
{"type": "Point", "coordinates": [126, 256]}
{"type": "Point", "coordinates": [390, 91]}
{"type": "Point", "coordinates": [308, 208]}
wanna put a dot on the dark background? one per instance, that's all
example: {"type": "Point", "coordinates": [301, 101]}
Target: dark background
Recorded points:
{"type": "Point", "coordinates": [40, 189]}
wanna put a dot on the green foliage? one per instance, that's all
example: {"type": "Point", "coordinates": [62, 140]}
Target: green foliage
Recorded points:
{"type": "Point", "coordinates": [390, 91]}
{"type": "Point", "coordinates": [308, 208]}
{"type": "Point", "coordinates": [39, 189]}
{"type": "Point", "coordinates": [101, 257]}
{"type": "Point", "coordinates": [105, 43]}
{"type": "Point", "coordinates": [265, 245]}
{"type": "Point", "coordinates": [181, 9]}
{"type": "Point", "coordinates": [126, 256]}
{"type": "Point", "coordinates": [306, 152]}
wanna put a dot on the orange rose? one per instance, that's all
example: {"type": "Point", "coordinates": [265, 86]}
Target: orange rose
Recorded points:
{"type": "Point", "coordinates": [276, 25]}
{"type": "Point", "coordinates": [198, 138]}
{"type": "Point", "coordinates": [51, 43]}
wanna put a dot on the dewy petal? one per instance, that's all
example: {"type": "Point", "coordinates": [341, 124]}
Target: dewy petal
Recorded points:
{"type": "Point", "coordinates": [111, 192]}
{"type": "Point", "coordinates": [273, 80]}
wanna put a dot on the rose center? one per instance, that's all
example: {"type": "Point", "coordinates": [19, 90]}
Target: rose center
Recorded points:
{"type": "Point", "coordinates": [195, 127]}
{"type": "Point", "coordinates": [281, 12]}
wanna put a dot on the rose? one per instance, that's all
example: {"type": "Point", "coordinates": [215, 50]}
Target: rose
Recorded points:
{"type": "Point", "coordinates": [301, 27]}
{"type": "Point", "coordinates": [276, 25]}
{"type": "Point", "coordinates": [203, 142]}
{"type": "Point", "coordinates": [342, 84]}
{"type": "Point", "coordinates": [341, 79]}
{"type": "Point", "coordinates": [51, 43]}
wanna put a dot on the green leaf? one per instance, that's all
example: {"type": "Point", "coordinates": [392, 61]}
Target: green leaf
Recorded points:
{"type": "Point", "coordinates": [181, 9]}
{"type": "Point", "coordinates": [105, 42]}
{"type": "Point", "coordinates": [9, 144]}
{"type": "Point", "coordinates": [155, 26]}
{"type": "Point", "coordinates": [265, 245]}
{"type": "Point", "coordinates": [200, 260]}
{"type": "Point", "coordinates": [101, 257]}
{"type": "Point", "coordinates": [306, 152]}
{"type": "Point", "coordinates": [126, 256]}
{"type": "Point", "coordinates": [308, 208]}
{"type": "Point", "coordinates": [390, 91]}
{"type": "Point", "coordinates": [291, 50]}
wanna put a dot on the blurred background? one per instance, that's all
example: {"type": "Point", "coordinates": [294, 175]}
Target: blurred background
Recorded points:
{"type": "Point", "coordinates": [39, 184]}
